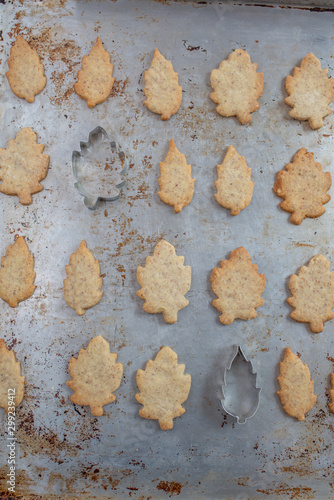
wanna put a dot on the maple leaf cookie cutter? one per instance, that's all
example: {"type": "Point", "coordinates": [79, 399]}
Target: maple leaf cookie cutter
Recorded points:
{"type": "Point", "coordinates": [93, 168]}
{"type": "Point", "coordinates": [241, 396]}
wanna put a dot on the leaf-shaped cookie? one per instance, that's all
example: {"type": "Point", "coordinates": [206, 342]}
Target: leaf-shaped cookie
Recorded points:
{"type": "Point", "coordinates": [331, 394]}
{"type": "Point", "coordinates": [95, 376]}
{"type": "Point", "coordinates": [82, 287]}
{"type": "Point", "coordinates": [303, 187]}
{"type": "Point", "coordinates": [238, 286]}
{"type": "Point", "coordinates": [297, 389]}
{"type": "Point", "coordinates": [163, 388]}
{"type": "Point", "coordinates": [95, 79]}
{"type": "Point", "coordinates": [17, 273]}
{"type": "Point", "coordinates": [26, 72]}
{"type": "Point", "coordinates": [237, 86]}
{"type": "Point", "coordinates": [310, 91]}
{"type": "Point", "coordinates": [234, 185]}
{"type": "Point", "coordinates": [22, 166]}
{"type": "Point", "coordinates": [11, 381]}
{"type": "Point", "coordinates": [164, 281]}
{"type": "Point", "coordinates": [162, 90]}
{"type": "Point", "coordinates": [312, 293]}
{"type": "Point", "coordinates": [176, 184]}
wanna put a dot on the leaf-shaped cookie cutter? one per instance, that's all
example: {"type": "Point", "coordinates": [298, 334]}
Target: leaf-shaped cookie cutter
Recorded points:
{"type": "Point", "coordinates": [96, 137]}
{"type": "Point", "coordinates": [241, 397]}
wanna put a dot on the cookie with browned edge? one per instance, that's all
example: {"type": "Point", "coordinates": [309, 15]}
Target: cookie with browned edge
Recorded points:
{"type": "Point", "coordinates": [238, 286]}
{"type": "Point", "coordinates": [176, 184]}
{"type": "Point", "coordinates": [310, 92]}
{"type": "Point", "coordinates": [237, 86]}
{"type": "Point", "coordinates": [163, 387]}
{"type": "Point", "coordinates": [11, 380]}
{"type": "Point", "coordinates": [95, 79]}
{"type": "Point", "coordinates": [296, 387]}
{"type": "Point", "coordinates": [162, 90]}
{"type": "Point", "coordinates": [303, 186]}
{"type": "Point", "coordinates": [95, 376]}
{"type": "Point", "coordinates": [26, 72]}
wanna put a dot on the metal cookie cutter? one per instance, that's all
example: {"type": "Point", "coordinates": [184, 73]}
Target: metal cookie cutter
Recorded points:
{"type": "Point", "coordinates": [241, 397]}
{"type": "Point", "coordinates": [99, 168]}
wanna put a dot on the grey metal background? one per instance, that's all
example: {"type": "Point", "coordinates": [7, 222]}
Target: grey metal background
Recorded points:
{"type": "Point", "coordinates": [63, 451]}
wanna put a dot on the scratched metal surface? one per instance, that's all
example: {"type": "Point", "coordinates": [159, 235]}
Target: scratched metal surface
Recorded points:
{"type": "Point", "coordinates": [62, 451]}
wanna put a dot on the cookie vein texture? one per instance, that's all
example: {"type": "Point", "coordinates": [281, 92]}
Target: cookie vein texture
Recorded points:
{"type": "Point", "coordinates": [95, 79]}
{"type": "Point", "coordinates": [237, 86]}
{"type": "Point", "coordinates": [234, 185]}
{"type": "Point", "coordinates": [312, 293]}
{"type": "Point", "coordinates": [26, 72]}
{"type": "Point", "coordinates": [163, 388]}
{"type": "Point", "coordinates": [17, 273]}
{"type": "Point", "coordinates": [238, 286]}
{"type": "Point", "coordinates": [164, 281]}
{"type": "Point", "coordinates": [82, 287]}
{"type": "Point", "coordinates": [310, 91]}
{"type": "Point", "coordinates": [23, 166]}
{"type": "Point", "coordinates": [10, 378]}
{"type": "Point", "coordinates": [95, 376]}
{"type": "Point", "coordinates": [296, 387]}
{"type": "Point", "coordinates": [162, 89]}
{"type": "Point", "coordinates": [331, 394]}
{"type": "Point", "coordinates": [176, 184]}
{"type": "Point", "coordinates": [303, 187]}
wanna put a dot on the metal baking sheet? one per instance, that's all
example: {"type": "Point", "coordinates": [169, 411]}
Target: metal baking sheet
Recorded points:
{"type": "Point", "coordinates": [62, 452]}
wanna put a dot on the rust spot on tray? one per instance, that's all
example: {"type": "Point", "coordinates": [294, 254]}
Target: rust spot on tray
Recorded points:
{"type": "Point", "coordinates": [301, 457]}
{"type": "Point", "coordinates": [297, 492]}
{"type": "Point", "coordinates": [170, 487]}
{"type": "Point", "coordinates": [298, 244]}
{"type": "Point", "coordinates": [23, 485]}
{"type": "Point", "coordinates": [34, 439]}
{"type": "Point", "coordinates": [139, 244]}
{"type": "Point", "coordinates": [119, 87]}
{"type": "Point", "coordinates": [243, 481]}
{"type": "Point", "coordinates": [62, 91]}
{"type": "Point", "coordinates": [120, 268]}
{"type": "Point", "coordinates": [141, 194]}
{"type": "Point", "coordinates": [140, 181]}
{"type": "Point", "coordinates": [192, 48]}
{"type": "Point", "coordinates": [113, 482]}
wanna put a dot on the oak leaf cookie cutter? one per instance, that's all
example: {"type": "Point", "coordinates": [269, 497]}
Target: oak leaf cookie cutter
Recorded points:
{"type": "Point", "coordinates": [241, 396]}
{"type": "Point", "coordinates": [99, 168]}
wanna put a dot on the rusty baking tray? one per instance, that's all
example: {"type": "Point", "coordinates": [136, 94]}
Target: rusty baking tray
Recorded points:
{"type": "Point", "coordinates": [64, 453]}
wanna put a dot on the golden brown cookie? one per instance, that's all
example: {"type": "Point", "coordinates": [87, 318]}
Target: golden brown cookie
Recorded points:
{"type": "Point", "coordinates": [237, 86]}
{"type": "Point", "coordinates": [331, 394]}
{"type": "Point", "coordinates": [163, 388]}
{"type": "Point", "coordinates": [310, 91]}
{"type": "Point", "coordinates": [297, 389]}
{"type": "Point", "coordinates": [17, 273]}
{"type": "Point", "coordinates": [238, 286]}
{"type": "Point", "coordinates": [11, 381]}
{"type": "Point", "coordinates": [164, 281]}
{"type": "Point", "coordinates": [95, 376]}
{"type": "Point", "coordinates": [303, 187]}
{"type": "Point", "coordinates": [23, 166]}
{"type": "Point", "coordinates": [26, 72]}
{"type": "Point", "coordinates": [234, 185]}
{"type": "Point", "coordinates": [176, 184]}
{"type": "Point", "coordinates": [312, 293]}
{"type": "Point", "coordinates": [162, 90]}
{"type": "Point", "coordinates": [82, 287]}
{"type": "Point", "coordinates": [95, 79]}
